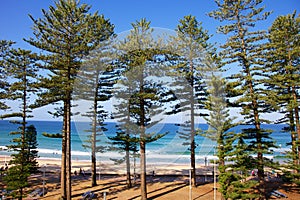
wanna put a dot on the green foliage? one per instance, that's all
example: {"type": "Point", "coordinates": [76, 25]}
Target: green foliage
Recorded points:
{"type": "Point", "coordinates": [23, 163]}
{"type": "Point", "coordinates": [291, 169]}
{"type": "Point", "coordinates": [22, 70]}
{"type": "Point", "coordinates": [52, 135]}
{"type": "Point", "coordinates": [193, 50]}
{"type": "Point", "coordinates": [245, 47]}
{"type": "Point", "coordinates": [5, 47]}
{"type": "Point", "coordinates": [283, 80]}
{"type": "Point", "coordinates": [31, 148]}
{"type": "Point", "coordinates": [16, 179]}
{"type": "Point", "coordinates": [233, 153]}
{"type": "Point", "coordinates": [24, 160]}
{"type": "Point", "coordinates": [66, 33]}
{"type": "Point", "coordinates": [94, 84]}
{"type": "Point", "coordinates": [141, 97]}
{"type": "Point", "coordinates": [235, 165]}
{"type": "Point", "coordinates": [235, 186]}
{"type": "Point", "coordinates": [126, 139]}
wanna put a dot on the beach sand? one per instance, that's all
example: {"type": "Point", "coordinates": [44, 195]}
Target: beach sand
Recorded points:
{"type": "Point", "coordinates": [170, 181]}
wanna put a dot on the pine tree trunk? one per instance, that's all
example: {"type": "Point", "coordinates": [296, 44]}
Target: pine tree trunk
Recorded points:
{"type": "Point", "coordinates": [254, 105]}
{"type": "Point", "coordinates": [193, 145]}
{"type": "Point", "coordinates": [297, 126]}
{"type": "Point", "coordinates": [93, 142]}
{"type": "Point", "coordinates": [143, 143]}
{"type": "Point", "coordinates": [260, 159]}
{"type": "Point", "coordinates": [63, 160]}
{"type": "Point", "coordinates": [128, 176]}
{"type": "Point", "coordinates": [21, 194]}
{"type": "Point", "coordinates": [294, 146]}
{"type": "Point", "coordinates": [193, 161]}
{"type": "Point", "coordinates": [68, 150]}
{"type": "Point", "coordinates": [143, 170]}
{"type": "Point", "coordinates": [94, 174]}
{"type": "Point", "coordinates": [293, 138]}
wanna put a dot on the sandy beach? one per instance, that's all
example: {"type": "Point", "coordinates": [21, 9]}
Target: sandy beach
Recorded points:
{"type": "Point", "coordinates": [170, 181]}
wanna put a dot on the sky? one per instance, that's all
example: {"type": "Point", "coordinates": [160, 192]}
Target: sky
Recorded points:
{"type": "Point", "coordinates": [15, 23]}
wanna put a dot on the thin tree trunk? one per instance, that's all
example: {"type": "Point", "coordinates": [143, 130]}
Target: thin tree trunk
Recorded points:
{"type": "Point", "coordinates": [143, 170]}
{"type": "Point", "coordinates": [296, 109]}
{"type": "Point", "coordinates": [63, 159]}
{"type": "Point", "coordinates": [260, 159]}
{"type": "Point", "coordinates": [295, 133]}
{"type": "Point", "coordinates": [193, 160]}
{"type": "Point", "coordinates": [293, 137]}
{"type": "Point", "coordinates": [21, 194]}
{"type": "Point", "coordinates": [193, 146]}
{"type": "Point", "coordinates": [94, 174]}
{"type": "Point", "coordinates": [94, 178]}
{"type": "Point", "coordinates": [128, 176]}
{"type": "Point", "coordinates": [254, 105]}
{"type": "Point", "coordinates": [127, 149]}
{"type": "Point", "coordinates": [93, 142]}
{"type": "Point", "coordinates": [68, 150]}
{"type": "Point", "coordinates": [127, 156]}
{"type": "Point", "coordinates": [143, 143]}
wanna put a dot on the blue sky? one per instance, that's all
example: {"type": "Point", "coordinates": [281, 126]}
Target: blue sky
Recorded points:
{"type": "Point", "coordinates": [15, 23]}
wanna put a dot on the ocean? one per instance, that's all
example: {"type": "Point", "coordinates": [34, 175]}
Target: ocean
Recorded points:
{"type": "Point", "coordinates": [167, 150]}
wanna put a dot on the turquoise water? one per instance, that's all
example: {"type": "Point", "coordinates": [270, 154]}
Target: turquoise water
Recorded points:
{"type": "Point", "coordinates": [168, 149]}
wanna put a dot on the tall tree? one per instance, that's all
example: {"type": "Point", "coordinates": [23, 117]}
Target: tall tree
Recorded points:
{"type": "Point", "coordinates": [66, 33]}
{"type": "Point", "coordinates": [139, 55]}
{"type": "Point", "coordinates": [94, 85]}
{"type": "Point", "coordinates": [192, 46]}
{"type": "Point", "coordinates": [22, 68]}
{"type": "Point", "coordinates": [232, 170]}
{"type": "Point", "coordinates": [283, 76]}
{"type": "Point", "coordinates": [244, 47]}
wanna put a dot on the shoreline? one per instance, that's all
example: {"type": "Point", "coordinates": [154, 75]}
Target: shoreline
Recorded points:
{"type": "Point", "coordinates": [52, 165]}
